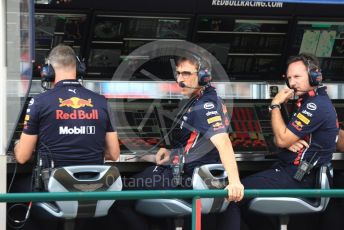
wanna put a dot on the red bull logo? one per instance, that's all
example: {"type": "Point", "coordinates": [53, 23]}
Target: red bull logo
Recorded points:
{"type": "Point", "coordinates": [297, 125]}
{"type": "Point", "coordinates": [217, 126]}
{"type": "Point", "coordinates": [75, 102]}
{"type": "Point", "coordinates": [77, 114]}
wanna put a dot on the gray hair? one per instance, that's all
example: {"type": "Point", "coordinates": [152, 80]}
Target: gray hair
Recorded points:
{"type": "Point", "coordinates": [62, 56]}
{"type": "Point", "coordinates": [195, 60]}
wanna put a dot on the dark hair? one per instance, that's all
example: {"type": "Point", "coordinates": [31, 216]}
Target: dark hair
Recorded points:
{"type": "Point", "coordinates": [309, 60]}
{"type": "Point", "coordinates": [195, 60]}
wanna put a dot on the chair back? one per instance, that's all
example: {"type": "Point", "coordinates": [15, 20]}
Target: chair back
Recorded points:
{"type": "Point", "coordinates": [82, 178]}
{"type": "Point", "coordinates": [325, 172]}
{"type": "Point", "coordinates": [211, 176]}
{"type": "Point", "coordinates": [292, 205]}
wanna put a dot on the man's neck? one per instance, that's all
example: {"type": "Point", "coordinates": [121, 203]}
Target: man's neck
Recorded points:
{"type": "Point", "coordinates": [64, 75]}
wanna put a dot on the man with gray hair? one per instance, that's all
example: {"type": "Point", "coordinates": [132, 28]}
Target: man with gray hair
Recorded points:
{"type": "Point", "coordinates": [69, 124]}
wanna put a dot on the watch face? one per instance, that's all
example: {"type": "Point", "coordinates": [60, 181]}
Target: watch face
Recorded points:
{"type": "Point", "coordinates": [271, 107]}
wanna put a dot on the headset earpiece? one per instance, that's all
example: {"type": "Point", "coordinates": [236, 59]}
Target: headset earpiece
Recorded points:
{"type": "Point", "coordinates": [286, 81]}
{"type": "Point", "coordinates": [204, 73]}
{"type": "Point", "coordinates": [47, 73]}
{"type": "Point", "coordinates": [315, 75]}
{"type": "Point", "coordinates": [204, 76]}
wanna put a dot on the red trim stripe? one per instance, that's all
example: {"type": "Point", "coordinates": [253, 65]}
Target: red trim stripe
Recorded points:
{"type": "Point", "coordinates": [198, 214]}
{"type": "Point", "coordinates": [190, 141]}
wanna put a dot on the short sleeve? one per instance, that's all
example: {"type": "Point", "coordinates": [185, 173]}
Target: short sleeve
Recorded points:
{"type": "Point", "coordinates": [31, 119]}
{"type": "Point", "coordinates": [209, 119]}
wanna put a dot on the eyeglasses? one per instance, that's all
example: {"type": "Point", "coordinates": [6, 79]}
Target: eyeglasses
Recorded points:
{"type": "Point", "coordinates": [185, 74]}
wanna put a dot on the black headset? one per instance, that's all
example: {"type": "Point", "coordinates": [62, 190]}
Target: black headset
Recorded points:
{"type": "Point", "coordinates": [314, 72]}
{"type": "Point", "coordinates": [48, 73]}
{"type": "Point", "coordinates": [203, 72]}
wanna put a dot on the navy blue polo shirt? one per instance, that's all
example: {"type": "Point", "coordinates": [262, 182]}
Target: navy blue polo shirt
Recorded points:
{"type": "Point", "coordinates": [316, 122]}
{"type": "Point", "coordinates": [206, 117]}
{"type": "Point", "coordinates": [71, 123]}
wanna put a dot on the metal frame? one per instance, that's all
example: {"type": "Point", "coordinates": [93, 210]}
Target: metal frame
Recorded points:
{"type": "Point", "coordinates": [156, 194]}
{"type": "Point", "coordinates": [3, 138]}
{"type": "Point", "coordinates": [169, 89]}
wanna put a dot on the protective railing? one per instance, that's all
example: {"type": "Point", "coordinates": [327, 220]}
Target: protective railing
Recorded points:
{"type": "Point", "coordinates": [156, 194]}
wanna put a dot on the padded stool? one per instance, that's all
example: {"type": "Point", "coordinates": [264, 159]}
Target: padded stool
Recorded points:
{"type": "Point", "coordinates": [285, 206]}
{"type": "Point", "coordinates": [85, 178]}
{"type": "Point", "coordinates": [211, 176]}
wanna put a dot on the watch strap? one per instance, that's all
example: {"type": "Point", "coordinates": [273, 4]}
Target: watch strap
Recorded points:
{"type": "Point", "coordinates": [273, 106]}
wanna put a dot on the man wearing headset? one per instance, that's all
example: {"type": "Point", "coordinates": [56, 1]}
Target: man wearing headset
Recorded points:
{"type": "Point", "coordinates": [201, 137]}
{"type": "Point", "coordinates": [309, 136]}
{"type": "Point", "coordinates": [68, 124]}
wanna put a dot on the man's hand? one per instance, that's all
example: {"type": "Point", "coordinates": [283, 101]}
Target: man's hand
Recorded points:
{"type": "Point", "coordinates": [297, 146]}
{"type": "Point", "coordinates": [162, 156]}
{"type": "Point", "coordinates": [282, 96]}
{"type": "Point", "coordinates": [235, 191]}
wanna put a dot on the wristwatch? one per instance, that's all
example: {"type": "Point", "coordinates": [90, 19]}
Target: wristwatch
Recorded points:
{"type": "Point", "coordinates": [273, 106]}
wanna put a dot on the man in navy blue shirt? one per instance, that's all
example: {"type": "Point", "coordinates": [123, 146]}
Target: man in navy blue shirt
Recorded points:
{"type": "Point", "coordinates": [310, 135]}
{"type": "Point", "coordinates": [201, 137]}
{"type": "Point", "coordinates": [69, 124]}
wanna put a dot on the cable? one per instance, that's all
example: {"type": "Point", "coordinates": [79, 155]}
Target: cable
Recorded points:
{"type": "Point", "coordinates": [21, 223]}
{"type": "Point", "coordinates": [51, 155]}
{"type": "Point", "coordinates": [14, 175]}
{"type": "Point", "coordinates": [175, 123]}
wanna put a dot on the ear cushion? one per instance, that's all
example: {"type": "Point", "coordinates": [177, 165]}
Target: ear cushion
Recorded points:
{"type": "Point", "coordinates": [47, 73]}
{"type": "Point", "coordinates": [204, 76]}
{"type": "Point", "coordinates": [287, 83]}
{"type": "Point", "coordinates": [315, 77]}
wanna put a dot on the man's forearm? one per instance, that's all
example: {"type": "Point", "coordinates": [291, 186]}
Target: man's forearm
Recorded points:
{"type": "Point", "coordinates": [340, 142]}
{"type": "Point", "coordinates": [229, 163]}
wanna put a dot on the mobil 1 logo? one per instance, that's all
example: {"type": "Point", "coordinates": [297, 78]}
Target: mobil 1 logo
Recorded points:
{"type": "Point", "coordinates": [88, 130]}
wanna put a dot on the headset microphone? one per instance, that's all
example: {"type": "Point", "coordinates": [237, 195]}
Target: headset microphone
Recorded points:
{"type": "Point", "coordinates": [296, 90]}
{"type": "Point", "coordinates": [182, 85]}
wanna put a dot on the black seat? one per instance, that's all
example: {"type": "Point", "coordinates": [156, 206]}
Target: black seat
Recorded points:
{"type": "Point", "coordinates": [80, 179]}
{"type": "Point", "coordinates": [285, 206]}
{"type": "Point", "coordinates": [209, 176]}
